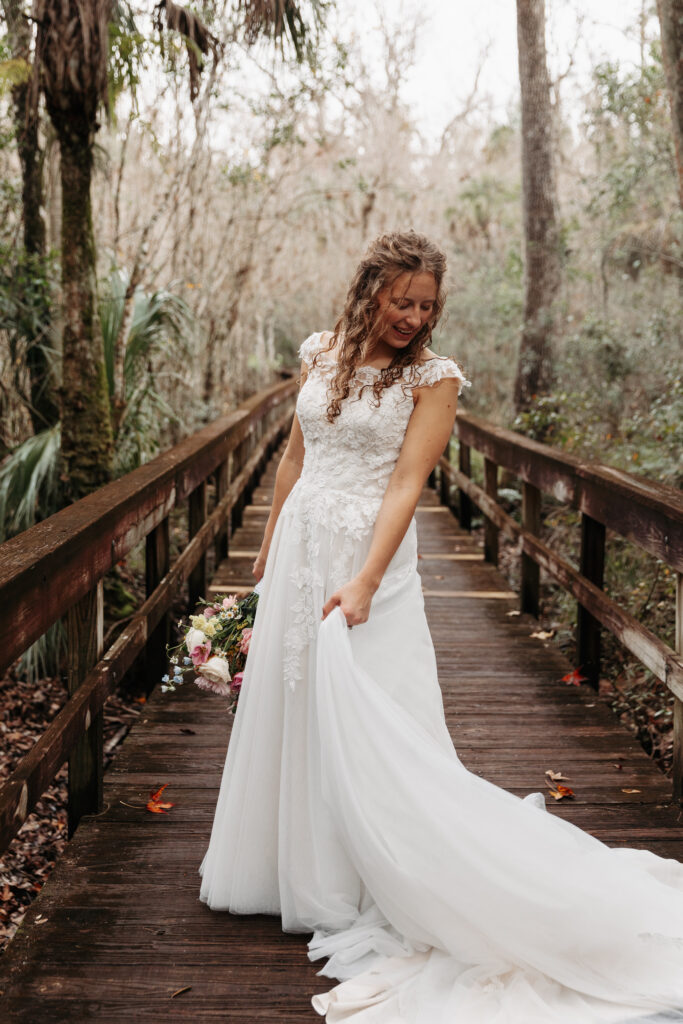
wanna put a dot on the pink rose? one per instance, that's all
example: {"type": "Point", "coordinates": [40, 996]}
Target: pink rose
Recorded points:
{"type": "Point", "coordinates": [229, 602]}
{"type": "Point", "coordinates": [236, 684]}
{"type": "Point", "coordinates": [245, 641]}
{"type": "Point", "coordinates": [200, 653]}
{"type": "Point", "coordinates": [208, 612]}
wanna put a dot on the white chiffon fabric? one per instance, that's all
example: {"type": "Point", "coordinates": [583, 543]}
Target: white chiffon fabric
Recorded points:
{"type": "Point", "coordinates": [434, 896]}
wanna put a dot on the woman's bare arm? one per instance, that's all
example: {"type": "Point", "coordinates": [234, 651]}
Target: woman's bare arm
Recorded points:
{"type": "Point", "coordinates": [429, 429]}
{"type": "Point", "coordinates": [288, 472]}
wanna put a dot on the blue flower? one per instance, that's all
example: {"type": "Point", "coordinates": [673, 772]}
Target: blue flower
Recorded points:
{"type": "Point", "coordinates": [165, 679]}
{"type": "Point", "coordinates": [187, 661]}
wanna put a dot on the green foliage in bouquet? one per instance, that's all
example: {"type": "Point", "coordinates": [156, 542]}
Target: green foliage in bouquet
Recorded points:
{"type": "Point", "coordinates": [214, 647]}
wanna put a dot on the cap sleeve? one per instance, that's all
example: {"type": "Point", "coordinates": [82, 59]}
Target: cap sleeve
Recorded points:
{"type": "Point", "coordinates": [436, 369]}
{"type": "Point", "coordinates": [309, 347]}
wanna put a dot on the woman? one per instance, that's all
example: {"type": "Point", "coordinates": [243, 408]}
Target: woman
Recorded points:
{"type": "Point", "coordinates": [437, 897]}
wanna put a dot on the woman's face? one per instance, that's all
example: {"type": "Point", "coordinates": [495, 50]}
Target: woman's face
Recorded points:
{"type": "Point", "coordinates": [405, 306]}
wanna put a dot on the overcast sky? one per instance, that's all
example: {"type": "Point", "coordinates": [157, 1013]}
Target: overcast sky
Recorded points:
{"type": "Point", "coordinates": [455, 32]}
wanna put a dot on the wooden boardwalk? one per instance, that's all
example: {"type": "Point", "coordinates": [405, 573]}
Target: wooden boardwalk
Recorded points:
{"type": "Point", "coordinates": [118, 932]}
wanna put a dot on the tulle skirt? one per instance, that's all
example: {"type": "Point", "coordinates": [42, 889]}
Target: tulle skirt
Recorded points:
{"type": "Point", "coordinates": [435, 896]}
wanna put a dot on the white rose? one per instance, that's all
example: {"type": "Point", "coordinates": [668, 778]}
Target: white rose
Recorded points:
{"type": "Point", "coordinates": [215, 673]}
{"type": "Point", "coordinates": [194, 638]}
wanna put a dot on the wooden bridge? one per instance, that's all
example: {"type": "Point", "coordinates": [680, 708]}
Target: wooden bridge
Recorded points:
{"type": "Point", "coordinates": [118, 932]}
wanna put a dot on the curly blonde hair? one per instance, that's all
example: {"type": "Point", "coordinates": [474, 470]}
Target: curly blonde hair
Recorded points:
{"type": "Point", "coordinates": [359, 327]}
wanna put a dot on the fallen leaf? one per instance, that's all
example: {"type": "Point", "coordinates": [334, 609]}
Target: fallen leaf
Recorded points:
{"type": "Point", "coordinates": [630, 791]}
{"type": "Point", "coordinates": [510, 614]}
{"type": "Point", "coordinates": [189, 732]}
{"type": "Point", "coordinates": [179, 991]}
{"type": "Point", "coordinates": [556, 776]}
{"type": "Point", "coordinates": [140, 700]}
{"type": "Point", "coordinates": [574, 678]}
{"type": "Point", "coordinates": [561, 792]}
{"type": "Point", "coordinates": [543, 634]}
{"type": "Point", "coordinates": [438, 577]}
{"type": "Point", "coordinates": [155, 803]}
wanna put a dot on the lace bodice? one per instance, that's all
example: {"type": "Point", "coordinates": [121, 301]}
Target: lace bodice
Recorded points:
{"type": "Point", "coordinates": [331, 510]}
{"type": "Point", "coordinates": [350, 460]}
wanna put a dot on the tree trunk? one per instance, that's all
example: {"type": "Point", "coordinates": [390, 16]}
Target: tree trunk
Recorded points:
{"type": "Point", "coordinates": [71, 52]}
{"type": "Point", "coordinates": [541, 243]}
{"type": "Point", "coordinates": [43, 409]}
{"type": "Point", "coordinates": [86, 424]}
{"type": "Point", "coordinates": [671, 25]}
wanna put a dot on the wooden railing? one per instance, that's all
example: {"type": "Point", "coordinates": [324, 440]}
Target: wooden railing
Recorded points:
{"type": "Point", "coordinates": [646, 513]}
{"type": "Point", "coordinates": [57, 568]}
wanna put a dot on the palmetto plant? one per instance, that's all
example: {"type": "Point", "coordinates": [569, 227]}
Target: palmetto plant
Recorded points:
{"type": "Point", "coordinates": [161, 326]}
{"type": "Point", "coordinates": [160, 332]}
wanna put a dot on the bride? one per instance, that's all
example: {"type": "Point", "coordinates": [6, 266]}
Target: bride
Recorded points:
{"type": "Point", "coordinates": [434, 896]}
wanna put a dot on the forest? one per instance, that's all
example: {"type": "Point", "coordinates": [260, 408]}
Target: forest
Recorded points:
{"type": "Point", "coordinates": [185, 192]}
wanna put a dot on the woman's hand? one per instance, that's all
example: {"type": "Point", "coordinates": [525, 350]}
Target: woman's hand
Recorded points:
{"type": "Point", "coordinates": [258, 568]}
{"type": "Point", "coordinates": [354, 598]}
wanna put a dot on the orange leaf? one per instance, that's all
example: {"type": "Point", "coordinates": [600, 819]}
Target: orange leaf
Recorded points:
{"type": "Point", "coordinates": [630, 791]}
{"type": "Point", "coordinates": [561, 792]}
{"type": "Point", "coordinates": [574, 678]}
{"type": "Point", "coordinates": [155, 803]}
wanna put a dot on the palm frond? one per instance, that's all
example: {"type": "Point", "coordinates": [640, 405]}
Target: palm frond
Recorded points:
{"type": "Point", "coordinates": [282, 21]}
{"type": "Point", "coordinates": [110, 308]}
{"type": "Point", "coordinates": [29, 482]}
{"type": "Point", "coordinates": [198, 39]}
{"type": "Point", "coordinates": [161, 321]}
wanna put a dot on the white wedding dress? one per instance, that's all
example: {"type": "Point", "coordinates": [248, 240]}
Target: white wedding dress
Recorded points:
{"type": "Point", "coordinates": [436, 897]}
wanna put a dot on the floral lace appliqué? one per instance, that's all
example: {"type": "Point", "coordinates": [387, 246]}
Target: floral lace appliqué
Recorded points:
{"type": "Point", "coordinates": [347, 466]}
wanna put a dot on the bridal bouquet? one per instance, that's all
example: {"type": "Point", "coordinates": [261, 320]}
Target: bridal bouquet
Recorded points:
{"type": "Point", "coordinates": [214, 647]}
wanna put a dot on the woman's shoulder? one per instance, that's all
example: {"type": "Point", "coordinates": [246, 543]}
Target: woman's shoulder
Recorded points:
{"type": "Point", "coordinates": [433, 368]}
{"type": "Point", "coordinates": [314, 343]}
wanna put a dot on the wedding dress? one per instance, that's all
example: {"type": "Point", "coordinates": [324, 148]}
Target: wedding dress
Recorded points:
{"type": "Point", "coordinates": [436, 897]}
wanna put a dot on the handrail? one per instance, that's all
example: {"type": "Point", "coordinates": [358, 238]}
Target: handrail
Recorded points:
{"type": "Point", "coordinates": [647, 513]}
{"type": "Point", "coordinates": [57, 567]}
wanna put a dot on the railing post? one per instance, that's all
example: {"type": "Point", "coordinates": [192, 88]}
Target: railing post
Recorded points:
{"type": "Point", "coordinates": [490, 528]}
{"type": "Point", "coordinates": [529, 593]}
{"type": "Point", "coordinates": [592, 566]}
{"type": "Point", "coordinates": [197, 516]}
{"type": "Point", "coordinates": [678, 703]}
{"type": "Point", "coordinates": [222, 484]}
{"type": "Point", "coordinates": [249, 443]}
{"type": "Point", "coordinates": [237, 461]}
{"type": "Point", "coordinates": [464, 503]}
{"type": "Point", "coordinates": [85, 640]}
{"type": "Point", "coordinates": [157, 564]}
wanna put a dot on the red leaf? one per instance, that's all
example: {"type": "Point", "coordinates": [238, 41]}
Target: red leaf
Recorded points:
{"type": "Point", "coordinates": [155, 803]}
{"type": "Point", "coordinates": [574, 678]}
